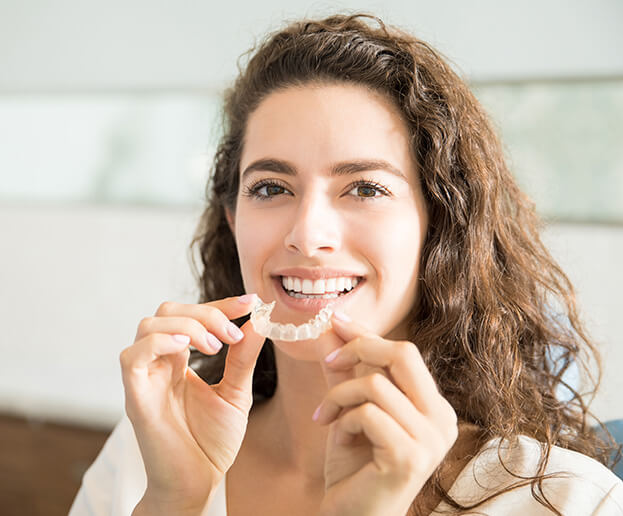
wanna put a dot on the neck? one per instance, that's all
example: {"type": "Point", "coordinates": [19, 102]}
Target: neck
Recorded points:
{"type": "Point", "coordinates": [283, 425]}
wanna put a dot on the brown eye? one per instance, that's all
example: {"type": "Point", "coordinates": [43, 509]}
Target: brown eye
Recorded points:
{"type": "Point", "coordinates": [264, 190]}
{"type": "Point", "coordinates": [363, 190]}
{"type": "Point", "coordinates": [366, 191]}
{"type": "Point", "coordinates": [273, 190]}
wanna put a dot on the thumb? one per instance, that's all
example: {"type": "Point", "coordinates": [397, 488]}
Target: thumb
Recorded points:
{"type": "Point", "coordinates": [240, 364]}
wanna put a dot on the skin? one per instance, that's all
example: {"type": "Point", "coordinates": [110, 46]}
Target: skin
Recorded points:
{"type": "Point", "coordinates": [380, 426]}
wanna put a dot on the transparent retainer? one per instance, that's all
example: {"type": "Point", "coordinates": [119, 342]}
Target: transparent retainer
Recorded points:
{"type": "Point", "coordinates": [260, 318]}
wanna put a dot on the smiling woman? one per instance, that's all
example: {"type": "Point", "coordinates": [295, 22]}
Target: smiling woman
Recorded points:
{"type": "Point", "coordinates": [357, 170]}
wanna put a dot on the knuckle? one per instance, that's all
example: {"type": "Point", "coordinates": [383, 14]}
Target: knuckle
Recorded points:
{"type": "Point", "coordinates": [239, 396]}
{"type": "Point", "coordinates": [368, 410]}
{"type": "Point", "coordinates": [409, 349]}
{"type": "Point", "coordinates": [145, 324]}
{"type": "Point", "coordinates": [212, 316]}
{"type": "Point", "coordinates": [165, 308]}
{"type": "Point", "coordinates": [151, 340]}
{"type": "Point", "coordinates": [357, 341]}
{"type": "Point", "coordinates": [375, 382]}
{"type": "Point", "coordinates": [124, 358]}
{"type": "Point", "coordinates": [407, 461]}
{"type": "Point", "coordinates": [404, 346]}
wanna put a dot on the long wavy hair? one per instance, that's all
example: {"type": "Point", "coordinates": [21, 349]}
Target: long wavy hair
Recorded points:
{"type": "Point", "coordinates": [496, 318]}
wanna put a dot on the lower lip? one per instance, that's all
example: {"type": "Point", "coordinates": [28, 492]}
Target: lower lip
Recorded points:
{"type": "Point", "coordinates": [312, 304]}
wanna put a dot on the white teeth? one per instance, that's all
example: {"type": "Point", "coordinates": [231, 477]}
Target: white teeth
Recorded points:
{"type": "Point", "coordinates": [319, 286]}
{"type": "Point", "coordinates": [308, 286]}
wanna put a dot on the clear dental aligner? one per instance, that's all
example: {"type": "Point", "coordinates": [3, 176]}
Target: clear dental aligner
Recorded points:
{"type": "Point", "coordinates": [260, 318]}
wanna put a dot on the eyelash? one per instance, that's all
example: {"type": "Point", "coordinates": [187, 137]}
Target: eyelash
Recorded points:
{"type": "Point", "coordinates": [253, 190]}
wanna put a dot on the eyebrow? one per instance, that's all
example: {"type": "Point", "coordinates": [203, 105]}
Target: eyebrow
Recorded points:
{"type": "Point", "coordinates": [343, 168]}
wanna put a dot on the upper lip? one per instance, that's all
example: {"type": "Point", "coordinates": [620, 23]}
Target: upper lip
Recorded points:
{"type": "Point", "coordinates": [316, 273]}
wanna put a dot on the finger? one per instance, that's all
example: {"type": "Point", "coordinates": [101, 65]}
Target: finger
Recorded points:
{"type": "Point", "coordinates": [203, 340]}
{"type": "Point", "coordinates": [214, 316]}
{"type": "Point", "coordinates": [394, 452]}
{"type": "Point", "coordinates": [233, 307]}
{"type": "Point", "coordinates": [376, 389]}
{"type": "Point", "coordinates": [403, 361]}
{"type": "Point", "coordinates": [392, 446]}
{"type": "Point", "coordinates": [148, 349]}
{"type": "Point", "coordinates": [239, 366]}
{"type": "Point", "coordinates": [137, 359]}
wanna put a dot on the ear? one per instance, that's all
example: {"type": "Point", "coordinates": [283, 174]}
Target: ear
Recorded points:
{"type": "Point", "coordinates": [231, 220]}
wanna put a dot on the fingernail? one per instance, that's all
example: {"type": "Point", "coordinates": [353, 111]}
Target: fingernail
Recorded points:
{"type": "Point", "coordinates": [213, 342]}
{"type": "Point", "coordinates": [247, 298]}
{"type": "Point", "coordinates": [234, 332]}
{"type": "Point", "coordinates": [316, 413]}
{"type": "Point", "coordinates": [331, 356]}
{"type": "Point", "coordinates": [182, 339]}
{"type": "Point", "coordinates": [341, 316]}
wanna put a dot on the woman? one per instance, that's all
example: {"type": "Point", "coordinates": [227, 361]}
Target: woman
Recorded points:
{"type": "Point", "coordinates": [354, 161]}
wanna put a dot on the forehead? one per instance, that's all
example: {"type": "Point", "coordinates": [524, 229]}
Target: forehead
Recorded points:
{"type": "Point", "coordinates": [317, 124]}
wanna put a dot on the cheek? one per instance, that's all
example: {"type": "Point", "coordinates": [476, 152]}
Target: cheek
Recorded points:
{"type": "Point", "coordinates": [249, 242]}
{"type": "Point", "coordinates": [394, 236]}
{"type": "Point", "coordinates": [395, 253]}
{"type": "Point", "coordinates": [256, 238]}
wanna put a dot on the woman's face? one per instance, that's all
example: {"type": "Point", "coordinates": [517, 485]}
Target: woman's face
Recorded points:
{"type": "Point", "coordinates": [328, 190]}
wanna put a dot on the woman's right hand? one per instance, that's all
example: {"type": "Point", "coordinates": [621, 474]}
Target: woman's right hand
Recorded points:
{"type": "Point", "coordinates": [189, 432]}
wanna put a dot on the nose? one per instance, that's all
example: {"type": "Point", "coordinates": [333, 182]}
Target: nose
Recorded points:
{"type": "Point", "coordinates": [315, 227]}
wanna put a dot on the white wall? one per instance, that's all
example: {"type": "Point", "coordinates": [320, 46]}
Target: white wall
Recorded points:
{"type": "Point", "coordinates": [76, 281]}
{"type": "Point", "coordinates": [77, 45]}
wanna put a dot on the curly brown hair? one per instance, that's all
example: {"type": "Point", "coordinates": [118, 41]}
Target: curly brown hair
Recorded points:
{"type": "Point", "coordinates": [496, 318]}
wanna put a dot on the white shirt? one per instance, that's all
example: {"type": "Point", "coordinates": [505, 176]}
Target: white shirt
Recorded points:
{"type": "Point", "coordinates": [116, 481]}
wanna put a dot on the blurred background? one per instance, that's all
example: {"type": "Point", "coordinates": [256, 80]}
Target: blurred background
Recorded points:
{"type": "Point", "coordinates": [108, 121]}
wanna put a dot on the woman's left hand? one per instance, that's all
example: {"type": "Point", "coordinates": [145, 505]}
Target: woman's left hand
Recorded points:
{"type": "Point", "coordinates": [390, 426]}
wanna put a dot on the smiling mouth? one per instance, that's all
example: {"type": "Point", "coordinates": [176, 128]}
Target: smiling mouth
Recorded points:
{"type": "Point", "coordinates": [327, 295]}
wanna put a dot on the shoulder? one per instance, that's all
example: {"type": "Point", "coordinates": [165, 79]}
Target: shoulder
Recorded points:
{"type": "Point", "coordinates": [576, 483]}
{"type": "Point", "coordinates": [116, 480]}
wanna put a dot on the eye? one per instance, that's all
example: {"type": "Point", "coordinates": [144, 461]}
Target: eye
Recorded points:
{"type": "Point", "coordinates": [264, 190]}
{"type": "Point", "coordinates": [368, 189]}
